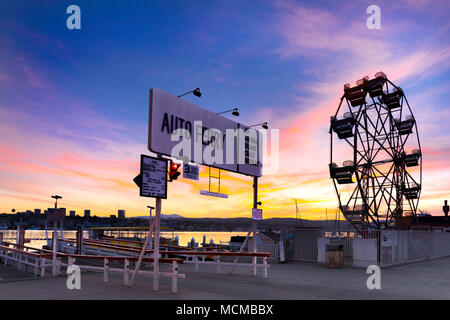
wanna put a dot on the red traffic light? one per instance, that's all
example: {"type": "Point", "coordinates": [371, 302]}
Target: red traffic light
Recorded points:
{"type": "Point", "coordinates": [173, 170]}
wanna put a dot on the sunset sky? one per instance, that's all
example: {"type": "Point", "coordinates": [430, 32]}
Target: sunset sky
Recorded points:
{"type": "Point", "coordinates": [74, 103]}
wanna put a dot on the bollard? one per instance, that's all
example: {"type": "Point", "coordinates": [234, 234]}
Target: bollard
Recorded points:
{"type": "Point", "coordinates": [106, 271]}
{"type": "Point", "coordinates": [43, 261]}
{"type": "Point", "coordinates": [174, 276]}
{"type": "Point", "coordinates": [265, 267]}
{"type": "Point", "coordinates": [126, 274]}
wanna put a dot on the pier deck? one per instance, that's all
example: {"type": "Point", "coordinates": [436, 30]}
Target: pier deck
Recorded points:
{"type": "Point", "coordinates": [293, 280]}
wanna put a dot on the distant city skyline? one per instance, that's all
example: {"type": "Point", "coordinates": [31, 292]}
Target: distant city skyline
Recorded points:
{"type": "Point", "coordinates": [74, 103]}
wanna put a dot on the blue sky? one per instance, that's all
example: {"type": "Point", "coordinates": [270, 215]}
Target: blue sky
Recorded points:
{"type": "Point", "coordinates": [84, 93]}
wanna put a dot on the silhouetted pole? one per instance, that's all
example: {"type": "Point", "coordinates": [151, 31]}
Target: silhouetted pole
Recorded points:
{"type": "Point", "coordinates": [54, 238]}
{"type": "Point", "coordinates": [156, 250]}
{"type": "Point", "coordinates": [255, 206]}
{"type": "Point", "coordinates": [445, 208]}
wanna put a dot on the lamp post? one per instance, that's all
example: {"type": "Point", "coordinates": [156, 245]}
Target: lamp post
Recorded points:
{"type": "Point", "coordinates": [446, 209]}
{"type": "Point", "coordinates": [264, 125]}
{"type": "Point", "coordinates": [56, 197]}
{"type": "Point", "coordinates": [196, 92]}
{"type": "Point", "coordinates": [234, 112]}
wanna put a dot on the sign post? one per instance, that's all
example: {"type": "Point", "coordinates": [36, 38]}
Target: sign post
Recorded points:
{"type": "Point", "coordinates": [152, 182]}
{"type": "Point", "coordinates": [254, 226]}
{"type": "Point", "coordinates": [156, 250]}
{"type": "Point", "coordinates": [57, 214]}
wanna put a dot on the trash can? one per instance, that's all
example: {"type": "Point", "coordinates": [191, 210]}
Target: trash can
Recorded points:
{"type": "Point", "coordinates": [334, 255]}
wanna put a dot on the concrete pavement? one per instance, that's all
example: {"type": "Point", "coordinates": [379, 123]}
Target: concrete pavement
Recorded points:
{"type": "Point", "coordinates": [293, 280]}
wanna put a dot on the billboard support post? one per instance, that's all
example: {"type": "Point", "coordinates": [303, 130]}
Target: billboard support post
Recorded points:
{"type": "Point", "coordinates": [156, 250]}
{"type": "Point", "coordinates": [253, 230]}
{"type": "Point", "coordinates": [155, 223]}
{"type": "Point", "coordinates": [255, 206]}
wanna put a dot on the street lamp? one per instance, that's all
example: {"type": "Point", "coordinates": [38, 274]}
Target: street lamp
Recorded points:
{"type": "Point", "coordinates": [56, 197]}
{"type": "Point", "coordinates": [234, 112]}
{"type": "Point", "coordinates": [264, 125]}
{"type": "Point", "coordinates": [196, 92]}
{"type": "Point", "coordinates": [55, 236]}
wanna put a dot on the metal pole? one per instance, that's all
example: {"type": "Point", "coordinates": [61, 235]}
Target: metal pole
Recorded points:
{"type": "Point", "coordinates": [55, 236]}
{"type": "Point", "coordinates": [151, 240]}
{"type": "Point", "coordinates": [252, 230]}
{"type": "Point", "coordinates": [255, 205]}
{"type": "Point", "coordinates": [18, 236]}
{"type": "Point", "coordinates": [156, 250]}
{"type": "Point", "coordinates": [141, 256]}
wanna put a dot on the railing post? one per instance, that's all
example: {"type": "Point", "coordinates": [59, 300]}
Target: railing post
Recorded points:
{"type": "Point", "coordinates": [54, 252]}
{"type": "Point", "coordinates": [36, 267]}
{"type": "Point", "coordinates": [43, 261]}
{"type": "Point", "coordinates": [218, 263]}
{"type": "Point", "coordinates": [174, 276]}
{"type": "Point", "coordinates": [19, 261]}
{"type": "Point", "coordinates": [196, 262]}
{"type": "Point", "coordinates": [126, 274]}
{"type": "Point", "coordinates": [265, 267]}
{"type": "Point", "coordinates": [58, 265]}
{"type": "Point", "coordinates": [255, 262]}
{"type": "Point", "coordinates": [106, 271]}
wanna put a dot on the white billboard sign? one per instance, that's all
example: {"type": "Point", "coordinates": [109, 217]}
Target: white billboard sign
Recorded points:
{"type": "Point", "coordinates": [154, 177]}
{"type": "Point", "coordinates": [210, 139]}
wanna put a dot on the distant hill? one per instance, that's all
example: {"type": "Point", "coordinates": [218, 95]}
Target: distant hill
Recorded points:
{"type": "Point", "coordinates": [163, 216]}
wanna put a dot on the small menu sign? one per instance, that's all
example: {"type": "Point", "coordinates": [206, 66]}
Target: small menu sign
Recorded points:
{"type": "Point", "coordinates": [154, 177]}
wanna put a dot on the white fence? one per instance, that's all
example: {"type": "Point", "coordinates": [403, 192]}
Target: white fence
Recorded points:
{"type": "Point", "coordinates": [363, 248]}
{"type": "Point", "coordinates": [414, 246]}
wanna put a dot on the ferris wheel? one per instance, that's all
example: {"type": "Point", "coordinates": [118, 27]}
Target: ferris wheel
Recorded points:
{"type": "Point", "coordinates": [376, 159]}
